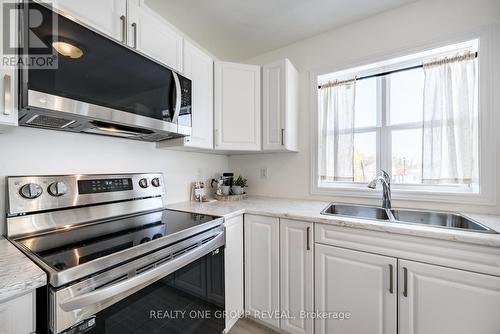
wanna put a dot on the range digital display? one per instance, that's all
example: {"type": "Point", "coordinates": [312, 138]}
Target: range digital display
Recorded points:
{"type": "Point", "coordinates": [104, 186]}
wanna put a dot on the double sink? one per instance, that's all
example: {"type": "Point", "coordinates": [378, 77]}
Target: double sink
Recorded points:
{"type": "Point", "coordinates": [403, 216]}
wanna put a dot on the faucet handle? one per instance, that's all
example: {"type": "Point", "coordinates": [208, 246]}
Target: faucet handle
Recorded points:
{"type": "Point", "coordinates": [386, 176]}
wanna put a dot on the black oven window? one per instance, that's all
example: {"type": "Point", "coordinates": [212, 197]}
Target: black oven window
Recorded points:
{"type": "Point", "coordinates": [191, 300]}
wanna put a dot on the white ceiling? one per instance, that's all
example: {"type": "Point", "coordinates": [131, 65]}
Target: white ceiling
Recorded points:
{"type": "Point", "coordinates": [239, 29]}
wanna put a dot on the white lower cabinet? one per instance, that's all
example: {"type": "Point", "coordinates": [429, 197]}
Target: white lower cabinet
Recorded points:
{"type": "Point", "coordinates": [360, 283]}
{"type": "Point", "coordinates": [296, 276]}
{"type": "Point", "coordinates": [262, 268]}
{"type": "Point", "coordinates": [336, 290]}
{"type": "Point", "coordinates": [437, 300]}
{"type": "Point", "coordinates": [234, 270]}
{"type": "Point", "coordinates": [17, 316]}
{"type": "Point", "coordinates": [279, 285]}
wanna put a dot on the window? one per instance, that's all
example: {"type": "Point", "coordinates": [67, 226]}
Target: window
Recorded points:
{"type": "Point", "coordinates": [415, 117]}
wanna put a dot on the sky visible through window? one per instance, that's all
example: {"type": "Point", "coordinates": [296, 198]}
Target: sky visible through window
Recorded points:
{"type": "Point", "coordinates": [398, 119]}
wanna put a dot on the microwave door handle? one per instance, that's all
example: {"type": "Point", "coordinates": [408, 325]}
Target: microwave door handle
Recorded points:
{"type": "Point", "coordinates": [99, 295]}
{"type": "Point", "coordinates": [177, 97]}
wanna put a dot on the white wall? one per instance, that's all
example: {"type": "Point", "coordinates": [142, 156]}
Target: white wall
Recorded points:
{"type": "Point", "coordinates": [411, 26]}
{"type": "Point", "coordinates": [27, 151]}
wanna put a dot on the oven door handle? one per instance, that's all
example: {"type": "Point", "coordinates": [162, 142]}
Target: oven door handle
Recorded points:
{"type": "Point", "coordinates": [110, 291]}
{"type": "Point", "coordinates": [178, 97]}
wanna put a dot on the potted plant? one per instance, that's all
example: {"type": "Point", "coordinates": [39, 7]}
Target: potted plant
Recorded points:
{"type": "Point", "coordinates": [238, 185]}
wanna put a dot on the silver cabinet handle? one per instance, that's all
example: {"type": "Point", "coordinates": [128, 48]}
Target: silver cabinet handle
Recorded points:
{"type": "Point", "coordinates": [7, 94]}
{"type": "Point", "coordinates": [282, 136]}
{"type": "Point", "coordinates": [308, 232]}
{"type": "Point", "coordinates": [97, 296]}
{"type": "Point", "coordinates": [134, 26]}
{"type": "Point", "coordinates": [217, 137]}
{"type": "Point", "coordinates": [391, 279]}
{"type": "Point", "coordinates": [405, 281]}
{"type": "Point", "coordinates": [124, 28]}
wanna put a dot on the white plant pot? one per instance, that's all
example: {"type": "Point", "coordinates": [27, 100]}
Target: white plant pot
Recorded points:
{"type": "Point", "coordinates": [237, 190]}
{"type": "Point", "coordinates": [225, 190]}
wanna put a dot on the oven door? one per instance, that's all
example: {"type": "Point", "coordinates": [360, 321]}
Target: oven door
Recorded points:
{"type": "Point", "coordinates": [109, 89]}
{"type": "Point", "coordinates": [179, 289]}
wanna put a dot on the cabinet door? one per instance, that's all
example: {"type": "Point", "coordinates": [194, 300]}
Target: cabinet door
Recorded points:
{"type": "Point", "coordinates": [234, 270]}
{"type": "Point", "coordinates": [106, 16]}
{"type": "Point", "coordinates": [17, 316]}
{"type": "Point", "coordinates": [198, 66]}
{"type": "Point", "coordinates": [362, 284]}
{"type": "Point", "coordinates": [237, 107]}
{"type": "Point", "coordinates": [296, 276]}
{"type": "Point", "coordinates": [153, 36]}
{"type": "Point", "coordinates": [262, 268]}
{"type": "Point", "coordinates": [436, 300]}
{"type": "Point", "coordinates": [280, 106]}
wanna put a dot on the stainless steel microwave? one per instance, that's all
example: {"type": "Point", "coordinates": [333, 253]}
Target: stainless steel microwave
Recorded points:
{"type": "Point", "coordinates": [95, 84]}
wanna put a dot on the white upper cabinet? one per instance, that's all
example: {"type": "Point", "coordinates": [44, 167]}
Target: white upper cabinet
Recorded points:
{"type": "Point", "coordinates": [280, 93]}
{"type": "Point", "coordinates": [8, 86]}
{"type": "Point", "coordinates": [436, 300]}
{"type": "Point", "coordinates": [8, 109]}
{"type": "Point", "coordinates": [237, 107]}
{"type": "Point", "coordinates": [149, 33]}
{"type": "Point", "coordinates": [131, 22]}
{"type": "Point", "coordinates": [198, 66]}
{"type": "Point", "coordinates": [296, 275]}
{"type": "Point", "coordinates": [108, 17]}
{"type": "Point", "coordinates": [360, 283]}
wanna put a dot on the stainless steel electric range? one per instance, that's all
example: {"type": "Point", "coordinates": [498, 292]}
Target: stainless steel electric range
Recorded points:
{"type": "Point", "coordinates": [116, 260]}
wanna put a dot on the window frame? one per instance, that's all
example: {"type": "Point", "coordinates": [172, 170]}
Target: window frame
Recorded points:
{"type": "Point", "coordinates": [483, 193]}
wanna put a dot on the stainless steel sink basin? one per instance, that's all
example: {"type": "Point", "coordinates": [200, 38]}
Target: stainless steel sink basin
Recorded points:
{"type": "Point", "coordinates": [429, 218]}
{"type": "Point", "coordinates": [439, 219]}
{"type": "Point", "coordinates": [357, 211]}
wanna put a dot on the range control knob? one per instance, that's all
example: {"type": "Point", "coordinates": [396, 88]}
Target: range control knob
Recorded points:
{"type": "Point", "coordinates": [155, 182]}
{"type": "Point", "coordinates": [31, 190]}
{"type": "Point", "coordinates": [143, 183]}
{"type": "Point", "coordinates": [58, 189]}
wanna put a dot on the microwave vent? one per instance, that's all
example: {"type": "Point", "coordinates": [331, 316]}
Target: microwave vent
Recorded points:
{"type": "Point", "coordinates": [45, 121]}
{"type": "Point", "coordinates": [156, 137]}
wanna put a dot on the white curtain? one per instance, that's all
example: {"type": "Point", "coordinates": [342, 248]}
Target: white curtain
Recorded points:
{"type": "Point", "coordinates": [450, 121]}
{"type": "Point", "coordinates": [336, 129]}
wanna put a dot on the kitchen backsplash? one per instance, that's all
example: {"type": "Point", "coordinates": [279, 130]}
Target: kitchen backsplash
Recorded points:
{"type": "Point", "coordinates": [25, 151]}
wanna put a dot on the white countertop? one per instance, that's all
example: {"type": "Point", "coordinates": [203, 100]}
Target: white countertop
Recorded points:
{"type": "Point", "coordinates": [311, 211]}
{"type": "Point", "coordinates": [18, 274]}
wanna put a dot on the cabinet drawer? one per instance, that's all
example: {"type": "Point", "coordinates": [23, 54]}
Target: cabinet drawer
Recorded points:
{"type": "Point", "coordinates": [478, 258]}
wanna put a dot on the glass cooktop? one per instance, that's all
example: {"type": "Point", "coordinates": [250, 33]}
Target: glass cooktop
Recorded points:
{"type": "Point", "coordinates": [66, 249]}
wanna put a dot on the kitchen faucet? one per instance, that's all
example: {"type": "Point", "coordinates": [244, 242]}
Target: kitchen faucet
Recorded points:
{"type": "Point", "coordinates": [385, 179]}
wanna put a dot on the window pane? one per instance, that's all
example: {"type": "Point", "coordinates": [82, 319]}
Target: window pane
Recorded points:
{"type": "Point", "coordinates": [406, 96]}
{"type": "Point", "coordinates": [366, 103]}
{"type": "Point", "coordinates": [365, 156]}
{"type": "Point", "coordinates": [407, 156]}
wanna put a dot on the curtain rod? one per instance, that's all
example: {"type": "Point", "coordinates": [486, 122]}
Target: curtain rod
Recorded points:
{"type": "Point", "coordinates": [391, 72]}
